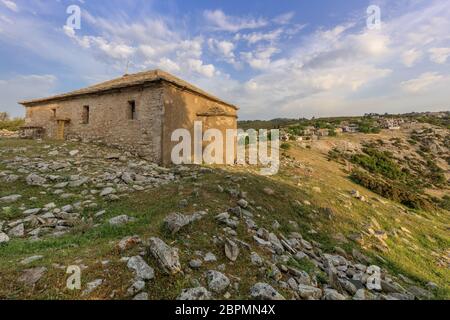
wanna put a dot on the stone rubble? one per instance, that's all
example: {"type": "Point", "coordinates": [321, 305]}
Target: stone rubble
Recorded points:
{"type": "Point", "coordinates": [106, 176]}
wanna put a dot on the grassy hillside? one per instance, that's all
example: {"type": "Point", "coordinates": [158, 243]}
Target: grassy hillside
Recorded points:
{"type": "Point", "coordinates": [311, 196]}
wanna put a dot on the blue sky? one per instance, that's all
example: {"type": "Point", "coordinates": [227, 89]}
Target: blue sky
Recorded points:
{"type": "Point", "coordinates": [272, 58]}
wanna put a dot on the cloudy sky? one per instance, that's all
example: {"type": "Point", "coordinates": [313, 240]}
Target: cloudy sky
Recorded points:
{"type": "Point", "coordinates": [272, 58]}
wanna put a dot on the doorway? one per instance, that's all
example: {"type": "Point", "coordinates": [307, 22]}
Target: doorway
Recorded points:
{"type": "Point", "coordinates": [61, 129]}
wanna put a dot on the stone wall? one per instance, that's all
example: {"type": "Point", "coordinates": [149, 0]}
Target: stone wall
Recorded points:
{"type": "Point", "coordinates": [109, 121]}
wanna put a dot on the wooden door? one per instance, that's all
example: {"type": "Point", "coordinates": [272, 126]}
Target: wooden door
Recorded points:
{"type": "Point", "coordinates": [60, 132]}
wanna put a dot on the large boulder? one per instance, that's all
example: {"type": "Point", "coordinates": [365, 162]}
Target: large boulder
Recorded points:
{"type": "Point", "coordinates": [166, 256]}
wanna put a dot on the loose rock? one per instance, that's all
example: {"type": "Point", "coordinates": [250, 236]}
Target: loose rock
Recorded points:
{"type": "Point", "coordinates": [231, 250]}
{"type": "Point", "coordinates": [217, 281]}
{"type": "Point", "coordinates": [264, 291]}
{"type": "Point", "coordinates": [30, 259]}
{"type": "Point", "coordinates": [120, 220]}
{"type": "Point", "coordinates": [3, 238]}
{"type": "Point", "coordinates": [30, 277]}
{"type": "Point", "coordinates": [175, 221]}
{"type": "Point", "coordinates": [166, 256]}
{"type": "Point", "coordinates": [199, 293]}
{"type": "Point", "coordinates": [142, 270]}
{"type": "Point", "coordinates": [11, 198]}
{"type": "Point", "coordinates": [309, 292]}
{"type": "Point", "coordinates": [35, 180]}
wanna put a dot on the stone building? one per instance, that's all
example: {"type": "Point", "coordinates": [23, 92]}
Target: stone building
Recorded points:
{"type": "Point", "coordinates": [136, 113]}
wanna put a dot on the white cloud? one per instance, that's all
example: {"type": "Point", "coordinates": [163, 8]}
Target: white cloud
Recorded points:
{"type": "Point", "coordinates": [261, 58]}
{"type": "Point", "coordinates": [423, 82]}
{"type": "Point", "coordinates": [255, 37]}
{"type": "Point", "coordinates": [224, 50]}
{"type": "Point", "coordinates": [166, 49]}
{"type": "Point", "coordinates": [221, 21]}
{"type": "Point", "coordinates": [410, 57]}
{"type": "Point", "coordinates": [23, 87]}
{"type": "Point", "coordinates": [284, 18]}
{"type": "Point", "coordinates": [11, 5]}
{"type": "Point", "coordinates": [439, 55]}
{"type": "Point", "coordinates": [118, 51]}
{"type": "Point", "coordinates": [198, 66]}
{"type": "Point", "coordinates": [168, 65]}
{"type": "Point", "coordinates": [191, 48]}
{"type": "Point", "coordinates": [114, 50]}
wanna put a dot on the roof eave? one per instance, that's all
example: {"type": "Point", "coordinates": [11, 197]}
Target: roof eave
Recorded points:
{"type": "Point", "coordinates": [30, 103]}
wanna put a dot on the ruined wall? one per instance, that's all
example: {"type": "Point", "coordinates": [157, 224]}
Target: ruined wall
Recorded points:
{"type": "Point", "coordinates": [109, 121]}
{"type": "Point", "coordinates": [182, 108]}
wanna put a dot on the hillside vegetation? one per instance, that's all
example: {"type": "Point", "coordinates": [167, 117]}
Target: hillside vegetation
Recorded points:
{"type": "Point", "coordinates": [309, 232]}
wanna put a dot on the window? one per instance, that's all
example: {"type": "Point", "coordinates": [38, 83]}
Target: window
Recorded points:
{"type": "Point", "coordinates": [132, 110]}
{"type": "Point", "coordinates": [85, 116]}
{"type": "Point", "coordinates": [54, 113]}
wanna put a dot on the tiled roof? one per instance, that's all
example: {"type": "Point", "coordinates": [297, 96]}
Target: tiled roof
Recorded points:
{"type": "Point", "coordinates": [128, 81]}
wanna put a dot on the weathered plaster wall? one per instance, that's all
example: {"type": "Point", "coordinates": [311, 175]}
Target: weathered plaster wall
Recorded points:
{"type": "Point", "coordinates": [183, 107]}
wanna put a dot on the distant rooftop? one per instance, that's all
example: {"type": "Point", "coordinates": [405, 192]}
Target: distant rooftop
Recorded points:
{"type": "Point", "coordinates": [128, 80]}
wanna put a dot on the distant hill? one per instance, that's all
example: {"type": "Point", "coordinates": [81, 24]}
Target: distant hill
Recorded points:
{"type": "Point", "coordinates": [441, 119]}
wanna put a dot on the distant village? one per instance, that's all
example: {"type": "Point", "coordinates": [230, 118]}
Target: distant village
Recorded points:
{"type": "Point", "coordinates": [370, 123]}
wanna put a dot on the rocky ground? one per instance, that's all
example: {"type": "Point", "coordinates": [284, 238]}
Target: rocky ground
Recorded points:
{"type": "Point", "coordinates": [8, 134]}
{"type": "Point", "coordinates": [139, 231]}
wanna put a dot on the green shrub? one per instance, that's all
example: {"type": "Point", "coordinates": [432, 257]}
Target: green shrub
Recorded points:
{"type": "Point", "coordinates": [285, 146]}
{"type": "Point", "coordinates": [12, 125]}
{"type": "Point", "coordinates": [391, 190]}
{"type": "Point", "coordinates": [332, 133]}
{"type": "Point", "coordinates": [445, 203]}
{"type": "Point", "coordinates": [435, 174]}
{"type": "Point", "coordinates": [379, 162]}
{"type": "Point", "coordinates": [334, 154]}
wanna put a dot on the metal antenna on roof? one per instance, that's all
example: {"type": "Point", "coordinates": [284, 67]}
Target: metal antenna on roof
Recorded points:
{"type": "Point", "coordinates": [128, 65]}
